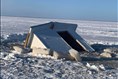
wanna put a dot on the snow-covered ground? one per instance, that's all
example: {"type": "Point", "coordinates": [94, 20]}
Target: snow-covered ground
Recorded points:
{"type": "Point", "coordinates": [14, 66]}
{"type": "Point", "coordinates": [46, 68]}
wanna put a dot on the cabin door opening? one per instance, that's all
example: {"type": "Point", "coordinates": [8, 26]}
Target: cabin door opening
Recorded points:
{"type": "Point", "coordinates": [70, 41]}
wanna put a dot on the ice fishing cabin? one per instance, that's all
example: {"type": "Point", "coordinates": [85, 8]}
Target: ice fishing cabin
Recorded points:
{"type": "Point", "coordinates": [56, 36]}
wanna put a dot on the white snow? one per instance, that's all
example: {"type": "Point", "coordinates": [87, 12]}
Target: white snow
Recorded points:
{"type": "Point", "coordinates": [102, 67]}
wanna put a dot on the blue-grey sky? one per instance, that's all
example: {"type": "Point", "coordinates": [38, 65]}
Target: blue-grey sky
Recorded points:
{"type": "Point", "coordinates": [103, 10]}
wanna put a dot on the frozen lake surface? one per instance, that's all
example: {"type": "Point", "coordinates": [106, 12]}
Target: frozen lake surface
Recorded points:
{"type": "Point", "coordinates": [92, 31]}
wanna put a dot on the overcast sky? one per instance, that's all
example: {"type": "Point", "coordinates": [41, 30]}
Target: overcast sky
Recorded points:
{"type": "Point", "coordinates": [104, 10]}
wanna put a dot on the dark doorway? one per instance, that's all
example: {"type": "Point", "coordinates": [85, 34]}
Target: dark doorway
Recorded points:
{"type": "Point", "coordinates": [70, 40]}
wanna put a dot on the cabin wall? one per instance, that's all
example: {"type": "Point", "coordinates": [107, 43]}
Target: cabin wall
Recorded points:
{"type": "Point", "coordinates": [37, 43]}
{"type": "Point", "coordinates": [28, 44]}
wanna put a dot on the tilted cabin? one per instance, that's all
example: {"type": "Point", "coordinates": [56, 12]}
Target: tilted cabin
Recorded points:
{"type": "Point", "coordinates": [56, 36]}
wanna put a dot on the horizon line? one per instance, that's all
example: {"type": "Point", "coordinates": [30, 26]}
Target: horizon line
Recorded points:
{"type": "Point", "coordinates": [60, 18]}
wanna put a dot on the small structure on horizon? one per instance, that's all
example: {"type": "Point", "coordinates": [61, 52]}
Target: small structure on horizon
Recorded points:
{"type": "Point", "coordinates": [56, 36]}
